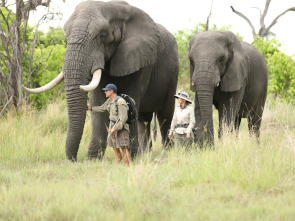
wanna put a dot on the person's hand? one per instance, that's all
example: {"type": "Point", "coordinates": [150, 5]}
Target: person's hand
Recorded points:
{"type": "Point", "coordinates": [188, 135]}
{"type": "Point", "coordinates": [113, 132]}
{"type": "Point", "coordinates": [89, 107]}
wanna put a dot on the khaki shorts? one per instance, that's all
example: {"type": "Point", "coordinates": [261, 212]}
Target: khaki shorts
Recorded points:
{"type": "Point", "coordinates": [120, 139]}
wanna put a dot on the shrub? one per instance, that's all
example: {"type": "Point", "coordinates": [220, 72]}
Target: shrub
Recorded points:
{"type": "Point", "coordinates": [50, 60]}
{"type": "Point", "coordinates": [281, 69]}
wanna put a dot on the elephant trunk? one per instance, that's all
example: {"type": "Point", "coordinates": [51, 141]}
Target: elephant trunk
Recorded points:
{"type": "Point", "coordinates": [76, 73]}
{"type": "Point", "coordinates": [205, 127]}
{"type": "Point", "coordinates": [204, 100]}
{"type": "Point", "coordinates": [77, 105]}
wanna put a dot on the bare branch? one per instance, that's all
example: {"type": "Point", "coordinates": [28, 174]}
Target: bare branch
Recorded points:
{"type": "Point", "coordinates": [262, 17]}
{"type": "Point", "coordinates": [244, 17]}
{"type": "Point", "coordinates": [4, 39]}
{"type": "Point", "coordinates": [5, 19]}
{"type": "Point", "coordinates": [258, 10]}
{"type": "Point", "coordinates": [208, 18]}
{"type": "Point", "coordinates": [3, 3]}
{"type": "Point", "coordinates": [2, 72]}
{"type": "Point", "coordinates": [4, 108]}
{"type": "Point", "coordinates": [24, 36]}
{"type": "Point", "coordinates": [2, 57]}
{"type": "Point", "coordinates": [32, 5]}
{"type": "Point", "coordinates": [276, 19]}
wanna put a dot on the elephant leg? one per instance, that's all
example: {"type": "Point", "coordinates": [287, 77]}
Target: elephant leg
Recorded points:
{"type": "Point", "coordinates": [164, 118]}
{"type": "Point", "coordinates": [237, 123]}
{"type": "Point", "coordinates": [255, 115]}
{"type": "Point", "coordinates": [226, 119]}
{"type": "Point", "coordinates": [98, 142]}
{"type": "Point", "coordinates": [228, 110]}
{"type": "Point", "coordinates": [99, 124]}
{"type": "Point", "coordinates": [221, 124]}
{"type": "Point", "coordinates": [144, 133]}
{"type": "Point", "coordinates": [133, 135]}
{"type": "Point", "coordinates": [155, 131]}
{"type": "Point", "coordinates": [254, 122]}
{"type": "Point", "coordinates": [149, 142]}
{"type": "Point", "coordinates": [254, 126]}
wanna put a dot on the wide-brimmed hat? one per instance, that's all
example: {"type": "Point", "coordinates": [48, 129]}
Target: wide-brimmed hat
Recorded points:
{"type": "Point", "coordinates": [184, 96]}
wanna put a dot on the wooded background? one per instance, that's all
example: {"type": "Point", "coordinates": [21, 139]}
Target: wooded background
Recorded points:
{"type": "Point", "coordinates": [32, 57]}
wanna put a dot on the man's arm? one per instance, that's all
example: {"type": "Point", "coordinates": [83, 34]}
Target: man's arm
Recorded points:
{"type": "Point", "coordinates": [101, 108]}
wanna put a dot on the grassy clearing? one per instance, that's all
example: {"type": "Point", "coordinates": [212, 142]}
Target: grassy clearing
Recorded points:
{"type": "Point", "coordinates": [239, 180]}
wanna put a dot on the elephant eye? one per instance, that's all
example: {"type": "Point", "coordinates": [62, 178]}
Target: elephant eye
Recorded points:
{"type": "Point", "coordinates": [220, 60]}
{"type": "Point", "coordinates": [191, 62]}
{"type": "Point", "coordinates": [103, 36]}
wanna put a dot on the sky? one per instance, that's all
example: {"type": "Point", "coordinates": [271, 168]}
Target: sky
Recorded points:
{"type": "Point", "coordinates": [181, 14]}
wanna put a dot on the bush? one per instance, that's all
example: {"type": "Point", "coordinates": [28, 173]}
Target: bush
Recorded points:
{"type": "Point", "coordinates": [50, 61]}
{"type": "Point", "coordinates": [281, 69]}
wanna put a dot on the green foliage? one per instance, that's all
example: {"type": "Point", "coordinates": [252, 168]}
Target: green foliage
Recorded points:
{"type": "Point", "coordinates": [53, 37]}
{"type": "Point", "coordinates": [46, 64]}
{"type": "Point", "coordinates": [47, 58]}
{"type": "Point", "coordinates": [9, 18]}
{"type": "Point", "coordinates": [49, 61]}
{"type": "Point", "coordinates": [281, 68]}
{"type": "Point", "coordinates": [7, 14]}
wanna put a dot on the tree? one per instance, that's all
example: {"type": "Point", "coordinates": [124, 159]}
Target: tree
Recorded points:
{"type": "Point", "coordinates": [281, 69]}
{"type": "Point", "coordinates": [263, 31]}
{"type": "Point", "coordinates": [18, 44]}
{"type": "Point", "coordinates": [48, 62]}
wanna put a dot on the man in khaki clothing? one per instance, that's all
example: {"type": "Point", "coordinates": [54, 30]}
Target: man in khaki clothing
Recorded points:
{"type": "Point", "coordinates": [119, 129]}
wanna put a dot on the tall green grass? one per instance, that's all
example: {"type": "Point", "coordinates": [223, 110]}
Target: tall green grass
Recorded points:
{"type": "Point", "coordinates": [238, 180]}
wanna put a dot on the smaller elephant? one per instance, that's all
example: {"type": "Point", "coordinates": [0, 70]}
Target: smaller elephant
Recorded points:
{"type": "Point", "coordinates": [231, 75]}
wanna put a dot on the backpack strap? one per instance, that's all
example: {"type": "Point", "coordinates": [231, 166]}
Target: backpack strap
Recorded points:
{"type": "Point", "coordinates": [116, 102]}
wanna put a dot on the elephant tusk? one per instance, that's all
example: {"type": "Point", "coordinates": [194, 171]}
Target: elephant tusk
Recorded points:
{"type": "Point", "coordinates": [217, 84]}
{"type": "Point", "coordinates": [94, 82]}
{"type": "Point", "coordinates": [46, 87]}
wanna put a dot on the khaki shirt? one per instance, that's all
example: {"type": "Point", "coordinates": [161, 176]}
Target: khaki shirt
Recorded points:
{"type": "Point", "coordinates": [183, 116]}
{"type": "Point", "coordinates": [121, 114]}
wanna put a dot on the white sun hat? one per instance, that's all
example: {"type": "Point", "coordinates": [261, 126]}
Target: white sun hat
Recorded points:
{"type": "Point", "coordinates": [184, 96]}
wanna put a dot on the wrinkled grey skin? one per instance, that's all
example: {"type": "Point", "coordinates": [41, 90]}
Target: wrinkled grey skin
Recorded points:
{"type": "Point", "coordinates": [136, 54]}
{"type": "Point", "coordinates": [230, 74]}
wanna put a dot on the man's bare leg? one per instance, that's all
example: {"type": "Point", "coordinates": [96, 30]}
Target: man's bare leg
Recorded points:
{"type": "Point", "coordinates": [118, 154]}
{"type": "Point", "coordinates": [126, 155]}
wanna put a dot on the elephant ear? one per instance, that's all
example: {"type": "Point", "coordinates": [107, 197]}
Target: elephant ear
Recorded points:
{"type": "Point", "coordinates": [234, 76]}
{"type": "Point", "coordinates": [139, 46]}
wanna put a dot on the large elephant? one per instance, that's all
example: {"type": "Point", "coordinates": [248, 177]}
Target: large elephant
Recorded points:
{"type": "Point", "coordinates": [232, 75]}
{"type": "Point", "coordinates": [114, 42]}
